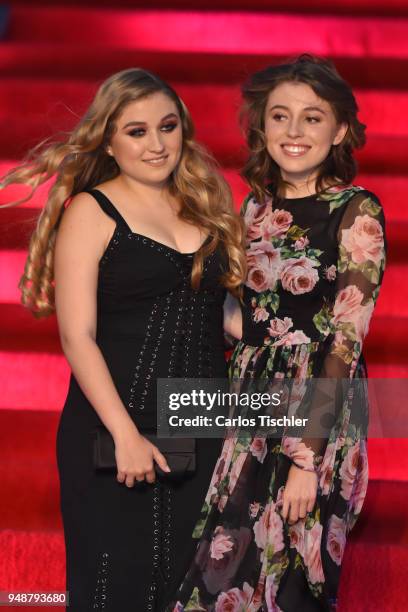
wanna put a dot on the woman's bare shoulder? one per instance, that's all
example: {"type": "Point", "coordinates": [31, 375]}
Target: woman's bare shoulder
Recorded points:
{"type": "Point", "coordinates": [83, 210]}
{"type": "Point", "coordinates": [84, 225]}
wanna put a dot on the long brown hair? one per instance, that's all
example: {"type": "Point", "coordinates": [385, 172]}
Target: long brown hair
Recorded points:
{"type": "Point", "coordinates": [80, 162]}
{"type": "Point", "coordinates": [260, 170]}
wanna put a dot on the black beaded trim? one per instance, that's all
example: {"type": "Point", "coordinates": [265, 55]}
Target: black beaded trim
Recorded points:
{"type": "Point", "coordinates": [180, 347]}
{"type": "Point", "coordinates": [113, 243]}
{"type": "Point", "coordinates": [153, 340]}
{"type": "Point", "coordinates": [101, 583]}
{"type": "Point", "coordinates": [174, 256]}
{"type": "Point", "coordinates": [187, 307]}
{"type": "Point", "coordinates": [205, 365]}
{"type": "Point", "coordinates": [138, 388]}
{"type": "Point", "coordinates": [166, 539]}
{"type": "Point", "coordinates": [161, 571]}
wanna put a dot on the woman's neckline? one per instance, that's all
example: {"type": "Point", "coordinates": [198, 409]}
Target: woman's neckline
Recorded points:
{"type": "Point", "coordinates": [167, 246]}
{"type": "Point", "coordinates": [302, 198]}
{"type": "Point", "coordinates": [149, 238]}
{"type": "Point", "coordinates": [315, 196]}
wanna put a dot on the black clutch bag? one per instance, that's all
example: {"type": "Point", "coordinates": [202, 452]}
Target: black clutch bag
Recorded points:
{"type": "Point", "coordinates": [180, 453]}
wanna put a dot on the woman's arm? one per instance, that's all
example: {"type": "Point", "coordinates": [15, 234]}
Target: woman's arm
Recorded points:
{"type": "Point", "coordinates": [360, 268]}
{"type": "Point", "coordinates": [81, 240]}
{"type": "Point", "coordinates": [232, 317]}
{"type": "Point", "coordinates": [232, 307]}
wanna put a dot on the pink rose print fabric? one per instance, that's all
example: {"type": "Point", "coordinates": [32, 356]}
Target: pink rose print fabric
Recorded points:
{"type": "Point", "coordinates": [315, 266]}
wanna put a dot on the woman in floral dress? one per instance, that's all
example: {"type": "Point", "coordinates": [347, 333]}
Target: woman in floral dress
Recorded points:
{"type": "Point", "coordinates": [274, 526]}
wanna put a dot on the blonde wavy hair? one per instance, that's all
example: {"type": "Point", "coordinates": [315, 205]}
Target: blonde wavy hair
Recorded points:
{"type": "Point", "coordinates": [80, 162]}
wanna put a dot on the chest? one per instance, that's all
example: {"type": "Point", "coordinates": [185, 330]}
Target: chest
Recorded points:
{"type": "Point", "coordinates": [305, 237]}
{"type": "Point", "coordinates": [163, 225]}
{"type": "Point", "coordinates": [135, 267]}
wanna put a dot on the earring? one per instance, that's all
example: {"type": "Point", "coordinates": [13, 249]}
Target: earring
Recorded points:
{"type": "Point", "coordinates": [109, 151]}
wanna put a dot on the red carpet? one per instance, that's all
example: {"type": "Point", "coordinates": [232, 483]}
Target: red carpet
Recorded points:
{"type": "Point", "coordinates": [50, 64]}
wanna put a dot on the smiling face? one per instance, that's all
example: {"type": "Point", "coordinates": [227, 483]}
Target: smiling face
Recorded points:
{"type": "Point", "coordinates": [300, 129]}
{"type": "Point", "coordinates": [148, 140]}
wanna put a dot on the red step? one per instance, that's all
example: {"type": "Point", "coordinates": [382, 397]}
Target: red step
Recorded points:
{"type": "Point", "coordinates": [63, 60]}
{"type": "Point", "coordinates": [373, 575]}
{"type": "Point", "coordinates": [33, 381]}
{"type": "Point", "coordinates": [388, 457]}
{"type": "Point", "coordinates": [58, 102]}
{"type": "Point", "coordinates": [46, 390]}
{"type": "Point", "coordinates": [248, 32]}
{"type": "Point", "coordinates": [18, 223]}
{"type": "Point", "coordinates": [392, 301]}
{"type": "Point", "coordinates": [20, 331]}
{"type": "Point", "coordinates": [374, 578]}
{"type": "Point", "coordinates": [383, 343]}
{"type": "Point", "coordinates": [356, 7]}
{"type": "Point", "coordinates": [32, 561]}
{"type": "Point", "coordinates": [28, 470]}
{"type": "Point", "coordinates": [394, 292]}
{"type": "Point", "coordinates": [388, 370]}
{"type": "Point", "coordinates": [49, 106]}
{"type": "Point", "coordinates": [391, 189]}
{"type": "Point", "coordinates": [28, 454]}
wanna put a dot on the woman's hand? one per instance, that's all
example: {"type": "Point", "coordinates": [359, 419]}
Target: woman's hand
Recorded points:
{"type": "Point", "coordinates": [135, 457]}
{"type": "Point", "coordinates": [299, 494]}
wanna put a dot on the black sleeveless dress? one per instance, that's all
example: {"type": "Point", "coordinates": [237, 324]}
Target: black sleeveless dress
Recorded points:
{"type": "Point", "coordinates": [126, 548]}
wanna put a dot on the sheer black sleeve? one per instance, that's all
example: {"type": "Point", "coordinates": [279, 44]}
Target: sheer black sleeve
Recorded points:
{"type": "Point", "coordinates": [343, 323]}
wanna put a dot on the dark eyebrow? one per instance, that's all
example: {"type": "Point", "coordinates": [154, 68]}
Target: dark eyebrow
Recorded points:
{"type": "Point", "coordinates": [307, 108]}
{"type": "Point", "coordinates": [315, 108]}
{"type": "Point", "coordinates": [141, 123]}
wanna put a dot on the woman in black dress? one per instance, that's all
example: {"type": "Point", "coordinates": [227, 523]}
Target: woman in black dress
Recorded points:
{"type": "Point", "coordinates": [278, 512]}
{"type": "Point", "coordinates": [145, 251]}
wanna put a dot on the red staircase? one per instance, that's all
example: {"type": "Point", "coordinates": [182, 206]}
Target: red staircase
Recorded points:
{"type": "Point", "coordinates": [50, 64]}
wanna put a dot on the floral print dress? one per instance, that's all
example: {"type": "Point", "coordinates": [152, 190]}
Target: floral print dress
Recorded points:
{"type": "Point", "coordinates": [315, 266]}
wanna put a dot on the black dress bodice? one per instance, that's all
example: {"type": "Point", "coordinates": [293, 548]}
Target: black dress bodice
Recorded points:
{"type": "Point", "coordinates": [150, 322]}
